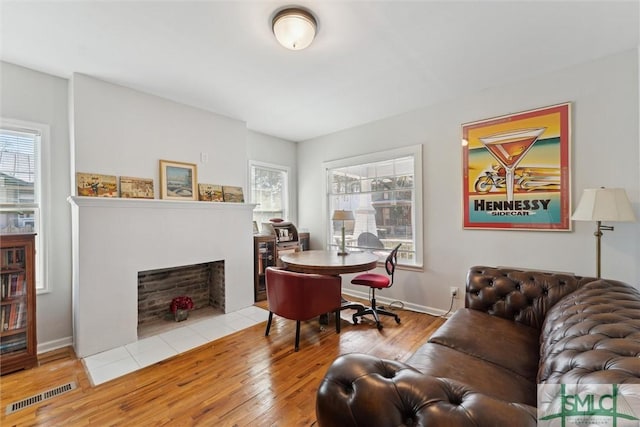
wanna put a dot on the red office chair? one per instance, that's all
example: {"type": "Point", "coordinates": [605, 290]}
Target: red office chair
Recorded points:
{"type": "Point", "coordinates": [377, 281]}
{"type": "Point", "coordinates": [299, 296]}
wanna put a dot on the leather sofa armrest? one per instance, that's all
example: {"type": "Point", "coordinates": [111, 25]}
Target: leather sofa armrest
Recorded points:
{"type": "Point", "coordinates": [362, 390]}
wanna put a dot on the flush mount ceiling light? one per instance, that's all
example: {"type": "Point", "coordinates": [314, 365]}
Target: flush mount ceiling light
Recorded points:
{"type": "Point", "coordinates": [294, 28]}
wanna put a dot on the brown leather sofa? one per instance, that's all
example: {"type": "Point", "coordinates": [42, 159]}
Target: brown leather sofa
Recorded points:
{"type": "Point", "coordinates": [482, 366]}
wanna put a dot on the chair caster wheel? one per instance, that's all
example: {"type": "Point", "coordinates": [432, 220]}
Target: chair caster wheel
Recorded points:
{"type": "Point", "coordinates": [398, 320]}
{"type": "Point", "coordinates": [379, 325]}
{"type": "Point", "coordinates": [355, 320]}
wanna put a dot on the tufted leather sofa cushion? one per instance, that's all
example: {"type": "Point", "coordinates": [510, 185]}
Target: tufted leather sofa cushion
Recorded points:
{"type": "Point", "coordinates": [510, 345]}
{"type": "Point", "coordinates": [362, 390]}
{"type": "Point", "coordinates": [593, 337]}
{"type": "Point", "coordinates": [522, 296]}
{"type": "Point", "coordinates": [478, 375]}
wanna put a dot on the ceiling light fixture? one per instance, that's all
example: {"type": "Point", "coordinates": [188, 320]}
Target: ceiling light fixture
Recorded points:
{"type": "Point", "coordinates": [294, 28]}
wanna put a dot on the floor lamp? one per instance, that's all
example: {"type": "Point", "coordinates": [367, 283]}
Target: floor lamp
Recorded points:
{"type": "Point", "coordinates": [340, 215]}
{"type": "Point", "coordinates": [603, 204]}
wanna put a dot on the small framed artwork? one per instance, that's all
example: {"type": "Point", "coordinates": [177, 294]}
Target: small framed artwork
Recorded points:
{"type": "Point", "coordinates": [210, 193]}
{"type": "Point", "coordinates": [178, 180]}
{"type": "Point", "coordinates": [136, 188]}
{"type": "Point", "coordinates": [96, 185]}
{"type": "Point", "coordinates": [233, 194]}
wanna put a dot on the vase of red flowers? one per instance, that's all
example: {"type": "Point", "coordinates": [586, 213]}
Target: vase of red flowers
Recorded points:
{"type": "Point", "coordinates": [180, 307]}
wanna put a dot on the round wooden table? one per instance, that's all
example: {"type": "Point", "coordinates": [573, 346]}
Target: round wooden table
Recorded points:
{"type": "Point", "coordinates": [332, 264]}
{"type": "Point", "coordinates": [329, 262]}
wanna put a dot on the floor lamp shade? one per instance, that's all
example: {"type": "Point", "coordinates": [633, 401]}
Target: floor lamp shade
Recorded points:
{"type": "Point", "coordinates": [341, 215]}
{"type": "Point", "coordinates": [603, 204]}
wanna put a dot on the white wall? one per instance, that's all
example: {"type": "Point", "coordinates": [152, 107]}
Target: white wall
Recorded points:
{"type": "Point", "coordinates": [119, 131]}
{"type": "Point", "coordinates": [605, 152]}
{"type": "Point", "coordinates": [269, 149]}
{"type": "Point", "coordinates": [37, 97]}
{"type": "Point", "coordinates": [122, 132]}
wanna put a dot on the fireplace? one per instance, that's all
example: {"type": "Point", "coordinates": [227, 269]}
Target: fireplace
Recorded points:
{"type": "Point", "coordinates": [203, 283]}
{"type": "Point", "coordinates": [115, 239]}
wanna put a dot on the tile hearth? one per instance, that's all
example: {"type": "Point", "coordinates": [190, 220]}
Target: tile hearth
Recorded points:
{"type": "Point", "coordinates": [157, 343]}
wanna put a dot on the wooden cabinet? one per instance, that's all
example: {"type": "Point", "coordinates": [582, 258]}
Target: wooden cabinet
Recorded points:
{"type": "Point", "coordinates": [264, 255]}
{"type": "Point", "coordinates": [18, 302]}
{"type": "Point", "coordinates": [267, 249]}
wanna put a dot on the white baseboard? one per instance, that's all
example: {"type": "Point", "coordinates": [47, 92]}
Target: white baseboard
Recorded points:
{"type": "Point", "coordinates": [404, 305]}
{"type": "Point", "coordinates": [54, 345]}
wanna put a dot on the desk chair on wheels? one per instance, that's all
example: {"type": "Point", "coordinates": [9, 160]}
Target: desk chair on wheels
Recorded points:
{"type": "Point", "coordinates": [377, 281]}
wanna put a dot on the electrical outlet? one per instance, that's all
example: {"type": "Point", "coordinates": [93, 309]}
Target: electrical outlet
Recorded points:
{"type": "Point", "coordinates": [453, 291]}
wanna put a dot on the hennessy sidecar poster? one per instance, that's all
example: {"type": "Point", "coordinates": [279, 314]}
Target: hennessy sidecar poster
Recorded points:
{"type": "Point", "coordinates": [516, 172]}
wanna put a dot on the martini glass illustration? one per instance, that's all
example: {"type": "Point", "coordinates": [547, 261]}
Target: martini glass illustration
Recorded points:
{"type": "Point", "coordinates": [509, 148]}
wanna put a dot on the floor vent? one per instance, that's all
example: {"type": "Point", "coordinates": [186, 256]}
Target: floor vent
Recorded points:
{"type": "Point", "coordinates": [32, 400]}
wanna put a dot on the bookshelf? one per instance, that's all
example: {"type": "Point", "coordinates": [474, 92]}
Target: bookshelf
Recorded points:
{"type": "Point", "coordinates": [17, 302]}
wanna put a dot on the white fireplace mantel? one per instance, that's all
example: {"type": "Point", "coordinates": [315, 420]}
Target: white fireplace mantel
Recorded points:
{"type": "Point", "coordinates": [114, 239]}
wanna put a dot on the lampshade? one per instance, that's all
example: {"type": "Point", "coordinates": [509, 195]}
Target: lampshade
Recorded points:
{"type": "Point", "coordinates": [604, 204]}
{"type": "Point", "coordinates": [340, 215]}
{"type": "Point", "coordinates": [294, 28]}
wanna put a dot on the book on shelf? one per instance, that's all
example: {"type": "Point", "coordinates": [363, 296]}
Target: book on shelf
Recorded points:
{"type": "Point", "coordinates": [22, 316]}
{"type": "Point", "coordinates": [14, 344]}
{"type": "Point", "coordinates": [7, 257]}
{"type": "Point", "coordinates": [13, 285]}
{"type": "Point", "coordinates": [13, 316]}
{"type": "Point", "coordinates": [12, 258]}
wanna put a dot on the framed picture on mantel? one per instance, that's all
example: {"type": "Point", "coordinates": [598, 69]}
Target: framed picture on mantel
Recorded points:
{"type": "Point", "coordinates": [136, 188]}
{"type": "Point", "coordinates": [178, 180]}
{"type": "Point", "coordinates": [210, 193]}
{"type": "Point", "coordinates": [232, 194]}
{"type": "Point", "coordinates": [96, 185]}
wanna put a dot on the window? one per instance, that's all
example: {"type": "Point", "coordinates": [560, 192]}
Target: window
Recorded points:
{"type": "Point", "coordinates": [21, 184]}
{"type": "Point", "coordinates": [269, 190]}
{"type": "Point", "coordinates": [384, 192]}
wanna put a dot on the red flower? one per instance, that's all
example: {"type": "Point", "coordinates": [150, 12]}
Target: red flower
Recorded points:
{"type": "Point", "coordinates": [181, 303]}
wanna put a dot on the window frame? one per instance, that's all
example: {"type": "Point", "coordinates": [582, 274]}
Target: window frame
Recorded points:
{"type": "Point", "coordinates": [287, 184]}
{"type": "Point", "coordinates": [414, 151]}
{"type": "Point", "coordinates": [42, 191]}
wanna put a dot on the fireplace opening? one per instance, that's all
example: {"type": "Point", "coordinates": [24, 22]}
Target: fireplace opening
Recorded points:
{"type": "Point", "coordinates": [203, 283]}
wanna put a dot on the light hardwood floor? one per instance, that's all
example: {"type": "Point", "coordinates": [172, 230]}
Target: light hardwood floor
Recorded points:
{"type": "Point", "coordinates": [244, 379]}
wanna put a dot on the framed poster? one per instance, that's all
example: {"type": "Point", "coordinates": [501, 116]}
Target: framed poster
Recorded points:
{"type": "Point", "coordinates": [516, 172]}
{"type": "Point", "coordinates": [178, 180]}
{"type": "Point", "coordinates": [136, 188]}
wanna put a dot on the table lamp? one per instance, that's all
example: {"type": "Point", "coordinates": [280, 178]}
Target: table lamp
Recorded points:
{"type": "Point", "coordinates": [340, 215]}
{"type": "Point", "coordinates": [603, 204]}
